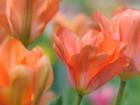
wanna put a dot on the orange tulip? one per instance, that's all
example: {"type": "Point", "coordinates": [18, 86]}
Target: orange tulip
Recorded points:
{"type": "Point", "coordinates": [91, 60]}
{"type": "Point", "coordinates": [27, 19]}
{"type": "Point", "coordinates": [24, 75]}
{"type": "Point", "coordinates": [80, 24]}
{"type": "Point", "coordinates": [125, 26]}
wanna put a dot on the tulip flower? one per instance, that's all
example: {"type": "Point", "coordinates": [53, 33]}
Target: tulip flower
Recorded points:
{"type": "Point", "coordinates": [79, 24]}
{"type": "Point", "coordinates": [25, 76]}
{"type": "Point", "coordinates": [27, 19]}
{"type": "Point", "coordinates": [91, 60]}
{"type": "Point", "coordinates": [125, 26]}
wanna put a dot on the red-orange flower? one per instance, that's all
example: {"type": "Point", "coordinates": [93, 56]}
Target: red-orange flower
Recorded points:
{"type": "Point", "coordinates": [24, 75]}
{"type": "Point", "coordinates": [91, 60]}
{"type": "Point", "coordinates": [27, 19]}
{"type": "Point", "coordinates": [125, 26]}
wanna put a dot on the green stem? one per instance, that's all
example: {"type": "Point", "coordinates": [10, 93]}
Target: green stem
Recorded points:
{"type": "Point", "coordinates": [120, 93]}
{"type": "Point", "coordinates": [79, 99]}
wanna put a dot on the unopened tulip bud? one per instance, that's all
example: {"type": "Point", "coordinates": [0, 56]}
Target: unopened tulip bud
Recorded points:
{"type": "Point", "coordinates": [24, 74]}
{"type": "Point", "coordinates": [27, 19]}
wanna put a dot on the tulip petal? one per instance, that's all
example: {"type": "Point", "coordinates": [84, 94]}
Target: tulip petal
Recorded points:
{"type": "Point", "coordinates": [36, 54]}
{"type": "Point", "coordinates": [102, 77]}
{"type": "Point", "coordinates": [20, 78]}
{"type": "Point", "coordinates": [4, 26]}
{"type": "Point", "coordinates": [126, 26]}
{"type": "Point", "coordinates": [4, 97]}
{"type": "Point", "coordinates": [92, 38]}
{"type": "Point", "coordinates": [102, 20]}
{"type": "Point", "coordinates": [69, 41]}
{"type": "Point", "coordinates": [43, 11]}
{"type": "Point", "coordinates": [4, 79]}
{"type": "Point", "coordinates": [11, 53]}
{"type": "Point", "coordinates": [44, 78]}
{"type": "Point", "coordinates": [78, 66]}
{"type": "Point", "coordinates": [16, 9]}
{"type": "Point", "coordinates": [32, 17]}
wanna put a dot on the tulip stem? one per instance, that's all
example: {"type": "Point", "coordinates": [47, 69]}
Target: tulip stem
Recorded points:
{"type": "Point", "coordinates": [79, 99]}
{"type": "Point", "coordinates": [120, 93]}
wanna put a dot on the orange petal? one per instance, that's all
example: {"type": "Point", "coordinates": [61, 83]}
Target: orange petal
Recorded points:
{"type": "Point", "coordinates": [4, 79]}
{"type": "Point", "coordinates": [43, 11]}
{"type": "Point", "coordinates": [102, 20]}
{"type": "Point", "coordinates": [109, 46]}
{"type": "Point", "coordinates": [11, 53]}
{"type": "Point", "coordinates": [78, 66]}
{"type": "Point", "coordinates": [32, 58]}
{"type": "Point", "coordinates": [45, 71]}
{"type": "Point", "coordinates": [16, 9]}
{"type": "Point", "coordinates": [128, 31]}
{"type": "Point", "coordinates": [106, 74]}
{"type": "Point", "coordinates": [4, 97]}
{"type": "Point", "coordinates": [68, 40]}
{"type": "Point", "coordinates": [4, 26]}
{"type": "Point", "coordinates": [93, 38]}
{"type": "Point", "coordinates": [43, 78]}
{"type": "Point", "coordinates": [20, 83]}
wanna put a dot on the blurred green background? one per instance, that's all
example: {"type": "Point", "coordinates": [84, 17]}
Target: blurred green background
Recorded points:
{"type": "Point", "coordinates": [61, 86]}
